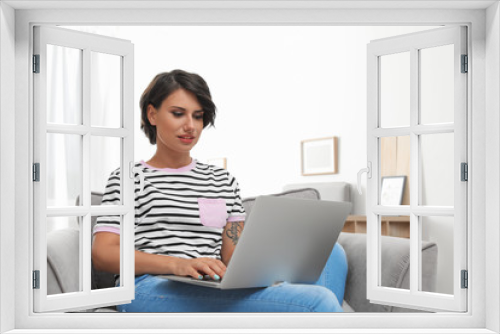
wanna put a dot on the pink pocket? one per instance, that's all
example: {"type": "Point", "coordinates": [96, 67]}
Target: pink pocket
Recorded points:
{"type": "Point", "coordinates": [212, 212]}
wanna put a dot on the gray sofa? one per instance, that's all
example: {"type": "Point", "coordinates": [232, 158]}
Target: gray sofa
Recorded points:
{"type": "Point", "coordinates": [62, 257]}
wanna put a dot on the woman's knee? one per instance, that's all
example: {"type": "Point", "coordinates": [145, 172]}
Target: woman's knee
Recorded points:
{"type": "Point", "coordinates": [339, 256]}
{"type": "Point", "coordinates": [325, 301]}
{"type": "Point", "coordinates": [312, 298]}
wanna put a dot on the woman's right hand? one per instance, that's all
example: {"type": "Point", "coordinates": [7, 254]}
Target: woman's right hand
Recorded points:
{"type": "Point", "coordinates": [106, 257]}
{"type": "Point", "coordinates": [199, 267]}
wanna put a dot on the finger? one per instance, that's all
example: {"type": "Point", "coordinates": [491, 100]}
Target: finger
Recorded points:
{"type": "Point", "coordinates": [219, 267]}
{"type": "Point", "coordinates": [221, 264]}
{"type": "Point", "coordinates": [195, 274]}
{"type": "Point", "coordinates": [222, 267]}
{"type": "Point", "coordinates": [216, 267]}
{"type": "Point", "coordinates": [213, 271]}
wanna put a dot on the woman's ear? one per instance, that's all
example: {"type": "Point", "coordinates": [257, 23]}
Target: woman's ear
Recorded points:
{"type": "Point", "coordinates": [152, 114]}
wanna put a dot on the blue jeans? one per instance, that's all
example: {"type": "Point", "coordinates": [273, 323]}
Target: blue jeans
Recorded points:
{"type": "Point", "coordinates": [154, 294]}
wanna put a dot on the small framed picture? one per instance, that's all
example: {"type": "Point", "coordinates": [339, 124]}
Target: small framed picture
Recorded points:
{"type": "Point", "coordinates": [220, 162]}
{"type": "Point", "coordinates": [319, 156]}
{"type": "Point", "coordinates": [392, 189]}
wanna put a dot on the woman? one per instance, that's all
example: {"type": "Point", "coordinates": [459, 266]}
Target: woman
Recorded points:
{"type": "Point", "coordinates": [189, 216]}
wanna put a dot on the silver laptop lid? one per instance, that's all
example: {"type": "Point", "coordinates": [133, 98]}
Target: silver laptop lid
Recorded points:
{"type": "Point", "coordinates": [285, 239]}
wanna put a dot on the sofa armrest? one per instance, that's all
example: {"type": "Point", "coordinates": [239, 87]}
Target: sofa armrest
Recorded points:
{"type": "Point", "coordinates": [396, 259]}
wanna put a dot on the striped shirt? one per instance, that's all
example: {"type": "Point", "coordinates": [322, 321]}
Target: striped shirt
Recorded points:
{"type": "Point", "coordinates": [178, 212]}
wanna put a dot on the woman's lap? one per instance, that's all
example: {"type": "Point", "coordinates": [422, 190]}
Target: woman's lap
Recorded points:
{"type": "Point", "coordinates": [155, 294]}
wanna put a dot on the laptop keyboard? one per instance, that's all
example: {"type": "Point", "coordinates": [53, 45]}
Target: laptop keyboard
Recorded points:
{"type": "Point", "coordinates": [205, 278]}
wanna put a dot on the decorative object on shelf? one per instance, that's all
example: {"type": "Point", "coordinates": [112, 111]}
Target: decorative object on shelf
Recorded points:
{"type": "Point", "coordinates": [392, 189]}
{"type": "Point", "coordinates": [319, 156]}
{"type": "Point", "coordinates": [220, 162]}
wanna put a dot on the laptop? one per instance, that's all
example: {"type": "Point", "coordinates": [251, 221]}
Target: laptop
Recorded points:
{"type": "Point", "coordinates": [284, 240]}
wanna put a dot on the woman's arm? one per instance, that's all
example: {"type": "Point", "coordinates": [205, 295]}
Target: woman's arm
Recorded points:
{"type": "Point", "coordinates": [230, 237]}
{"type": "Point", "coordinates": [106, 257]}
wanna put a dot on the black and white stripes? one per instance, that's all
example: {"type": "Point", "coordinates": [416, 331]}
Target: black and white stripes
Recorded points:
{"type": "Point", "coordinates": [167, 209]}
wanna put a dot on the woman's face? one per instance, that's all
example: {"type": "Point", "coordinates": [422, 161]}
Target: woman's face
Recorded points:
{"type": "Point", "coordinates": [178, 121]}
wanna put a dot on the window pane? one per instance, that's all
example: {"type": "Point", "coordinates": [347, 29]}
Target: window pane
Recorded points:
{"type": "Point", "coordinates": [105, 158]}
{"type": "Point", "coordinates": [64, 85]}
{"type": "Point", "coordinates": [395, 170]}
{"type": "Point", "coordinates": [105, 90]}
{"type": "Point", "coordinates": [111, 224]}
{"type": "Point", "coordinates": [437, 169]}
{"type": "Point", "coordinates": [63, 272]}
{"type": "Point", "coordinates": [64, 169]}
{"type": "Point", "coordinates": [395, 90]}
{"type": "Point", "coordinates": [394, 256]}
{"type": "Point", "coordinates": [436, 85]}
{"type": "Point", "coordinates": [437, 237]}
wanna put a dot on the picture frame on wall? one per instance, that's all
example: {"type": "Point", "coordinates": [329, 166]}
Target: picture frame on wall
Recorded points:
{"type": "Point", "coordinates": [392, 189]}
{"type": "Point", "coordinates": [319, 156]}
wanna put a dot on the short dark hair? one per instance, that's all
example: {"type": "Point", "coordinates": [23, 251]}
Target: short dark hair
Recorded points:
{"type": "Point", "coordinates": [165, 84]}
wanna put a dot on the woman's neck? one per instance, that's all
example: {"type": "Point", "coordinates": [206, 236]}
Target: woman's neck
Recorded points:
{"type": "Point", "coordinates": [168, 161]}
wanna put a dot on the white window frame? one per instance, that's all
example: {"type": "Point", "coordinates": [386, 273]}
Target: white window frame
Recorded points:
{"type": "Point", "coordinates": [85, 298]}
{"type": "Point", "coordinates": [412, 44]}
{"type": "Point", "coordinates": [484, 213]}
